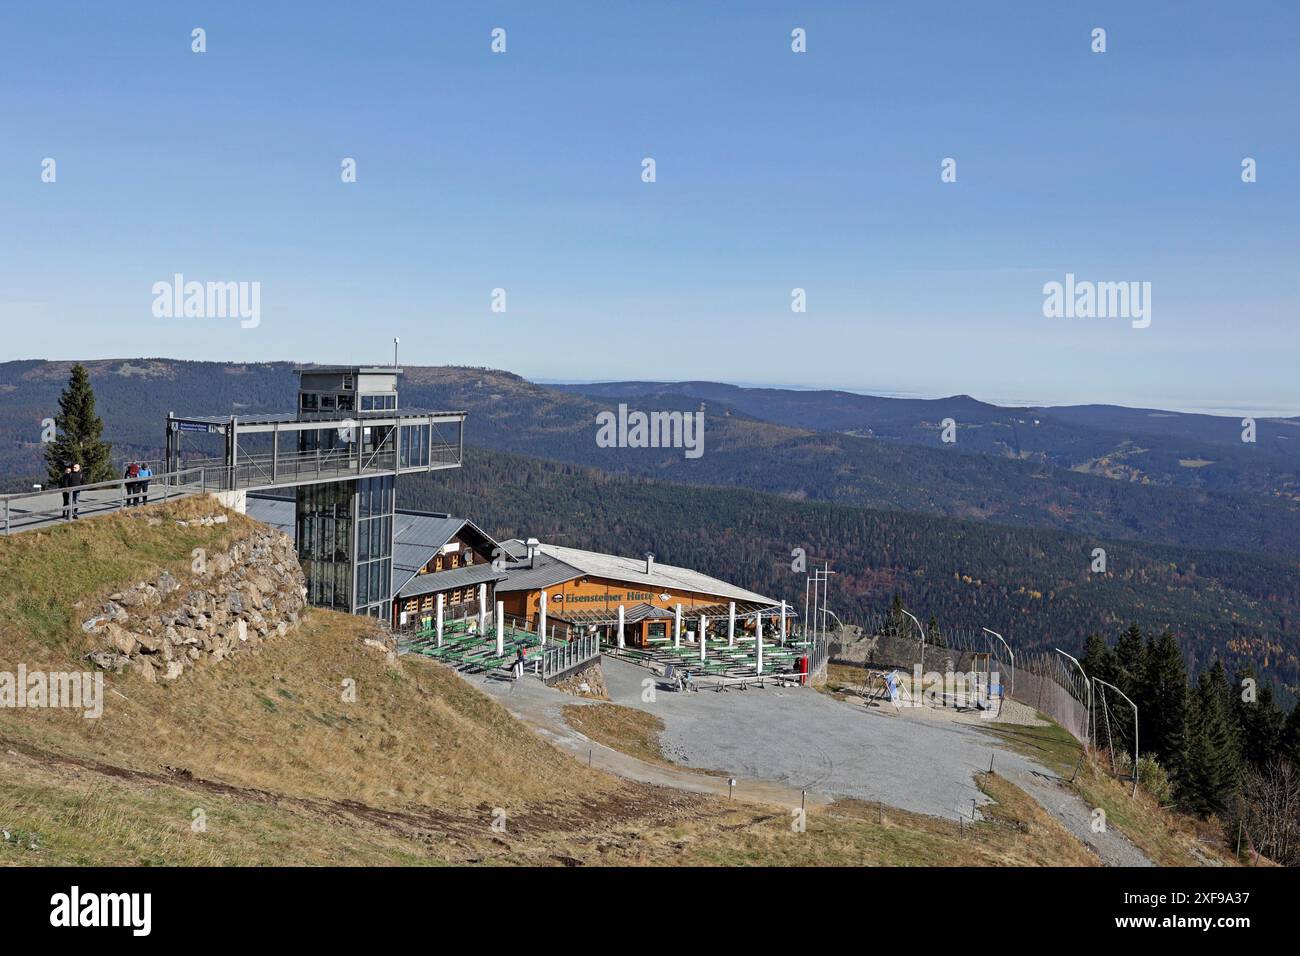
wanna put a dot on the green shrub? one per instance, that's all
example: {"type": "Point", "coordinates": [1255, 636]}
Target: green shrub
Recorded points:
{"type": "Point", "coordinates": [1155, 780]}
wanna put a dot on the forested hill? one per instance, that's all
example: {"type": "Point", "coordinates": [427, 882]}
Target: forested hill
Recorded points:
{"type": "Point", "coordinates": [1033, 585]}
{"type": "Point", "coordinates": [1204, 452]}
{"type": "Point", "coordinates": [509, 413]}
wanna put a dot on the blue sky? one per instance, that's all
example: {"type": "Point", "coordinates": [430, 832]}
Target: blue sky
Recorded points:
{"type": "Point", "coordinates": [775, 170]}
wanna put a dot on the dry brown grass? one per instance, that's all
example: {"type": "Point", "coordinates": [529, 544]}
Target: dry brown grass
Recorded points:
{"type": "Point", "coordinates": [1167, 838]}
{"type": "Point", "coordinates": [625, 729]}
{"type": "Point", "coordinates": [1017, 832]}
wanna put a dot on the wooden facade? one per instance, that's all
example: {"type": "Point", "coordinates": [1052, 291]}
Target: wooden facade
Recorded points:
{"type": "Point", "coordinates": [464, 549]}
{"type": "Point", "coordinates": [572, 601]}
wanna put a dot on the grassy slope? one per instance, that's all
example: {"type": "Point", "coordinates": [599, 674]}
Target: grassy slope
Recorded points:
{"type": "Point", "coordinates": [283, 770]}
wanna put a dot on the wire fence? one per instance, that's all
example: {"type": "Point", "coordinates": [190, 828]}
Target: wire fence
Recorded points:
{"type": "Point", "coordinates": [1043, 680]}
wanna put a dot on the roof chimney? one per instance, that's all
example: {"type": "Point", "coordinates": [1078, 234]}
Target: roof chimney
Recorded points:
{"type": "Point", "coordinates": [649, 563]}
{"type": "Point", "coordinates": [533, 544]}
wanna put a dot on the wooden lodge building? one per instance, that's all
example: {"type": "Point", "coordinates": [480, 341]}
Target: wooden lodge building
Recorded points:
{"type": "Point", "coordinates": [438, 554]}
{"type": "Point", "coordinates": [584, 589]}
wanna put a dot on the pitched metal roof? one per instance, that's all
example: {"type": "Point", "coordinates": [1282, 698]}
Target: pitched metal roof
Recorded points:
{"type": "Point", "coordinates": [416, 537]}
{"type": "Point", "coordinates": [547, 573]}
{"type": "Point", "coordinates": [446, 580]}
{"type": "Point", "coordinates": [633, 571]}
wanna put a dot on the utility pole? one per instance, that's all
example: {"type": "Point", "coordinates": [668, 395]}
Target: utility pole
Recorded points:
{"type": "Point", "coordinates": [807, 582]}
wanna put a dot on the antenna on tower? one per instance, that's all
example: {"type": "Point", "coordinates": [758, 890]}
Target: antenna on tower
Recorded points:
{"type": "Point", "coordinates": [396, 342]}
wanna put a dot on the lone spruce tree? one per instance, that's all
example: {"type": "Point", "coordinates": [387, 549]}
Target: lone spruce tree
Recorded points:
{"type": "Point", "coordinates": [80, 433]}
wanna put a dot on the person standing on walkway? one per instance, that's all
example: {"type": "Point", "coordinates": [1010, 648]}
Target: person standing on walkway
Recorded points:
{"type": "Point", "coordinates": [132, 486]}
{"type": "Point", "coordinates": [73, 481]}
{"type": "Point", "coordinates": [143, 487]}
{"type": "Point", "coordinates": [65, 483]}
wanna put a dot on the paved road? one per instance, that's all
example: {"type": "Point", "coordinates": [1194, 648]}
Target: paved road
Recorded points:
{"type": "Point", "coordinates": [778, 741]}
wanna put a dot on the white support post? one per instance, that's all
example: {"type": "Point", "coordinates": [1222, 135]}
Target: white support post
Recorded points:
{"type": "Point", "coordinates": [783, 624]}
{"type": "Point", "coordinates": [704, 638]}
{"type": "Point", "coordinates": [438, 618]}
{"type": "Point", "coordinates": [758, 641]}
{"type": "Point", "coordinates": [541, 620]}
{"type": "Point", "coordinates": [482, 610]}
{"type": "Point", "coordinates": [731, 625]}
{"type": "Point", "coordinates": [677, 629]}
{"type": "Point", "coordinates": [621, 613]}
{"type": "Point", "coordinates": [501, 628]}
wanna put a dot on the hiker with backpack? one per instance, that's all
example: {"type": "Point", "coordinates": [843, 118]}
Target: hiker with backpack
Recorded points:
{"type": "Point", "coordinates": [132, 486]}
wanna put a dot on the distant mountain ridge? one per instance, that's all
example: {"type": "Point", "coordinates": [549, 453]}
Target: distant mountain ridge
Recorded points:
{"type": "Point", "coordinates": [1146, 445]}
{"type": "Point", "coordinates": [903, 465]}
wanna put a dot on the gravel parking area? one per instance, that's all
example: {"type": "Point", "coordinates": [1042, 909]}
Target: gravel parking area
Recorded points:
{"type": "Point", "coordinates": [796, 738]}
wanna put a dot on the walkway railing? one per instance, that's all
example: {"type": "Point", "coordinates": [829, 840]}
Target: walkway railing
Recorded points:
{"type": "Point", "coordinates": [559, 659]}
{"type": "Point", "coordinates": [34, 509]}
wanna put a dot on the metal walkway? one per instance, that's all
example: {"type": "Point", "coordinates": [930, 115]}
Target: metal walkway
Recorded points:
{"type": "Point", "coordinates": [31, 510]}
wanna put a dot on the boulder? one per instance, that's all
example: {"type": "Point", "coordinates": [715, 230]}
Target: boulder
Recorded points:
{"type": "Point", "coordinates": [109, 660]}
{"type": "Point", "coordinates": [148, 642]}
{"type": "Point", "coordinates": [121, 639]}
{"type": "Point", "coordinates": [145, 668]}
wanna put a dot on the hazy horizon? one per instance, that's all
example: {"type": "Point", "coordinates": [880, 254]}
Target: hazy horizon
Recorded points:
{"type": "Point", "coordinates": [1206, 407]}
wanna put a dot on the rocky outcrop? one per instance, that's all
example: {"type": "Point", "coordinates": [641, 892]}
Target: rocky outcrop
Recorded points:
{"type": "Point", "coordinates": [230, 603]}
{"type": "Point", "coordinates": [586, 681]}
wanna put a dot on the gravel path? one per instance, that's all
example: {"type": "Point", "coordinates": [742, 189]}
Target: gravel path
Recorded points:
{"type": "Point", "coordinates": [793, 738]}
